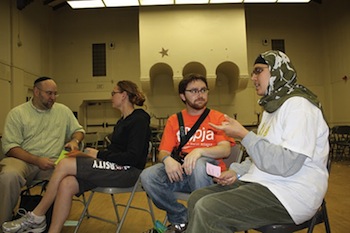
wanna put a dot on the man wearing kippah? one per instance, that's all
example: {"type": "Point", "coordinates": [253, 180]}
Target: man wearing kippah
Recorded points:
{"type": "Point", "coordinates": [34, 135]}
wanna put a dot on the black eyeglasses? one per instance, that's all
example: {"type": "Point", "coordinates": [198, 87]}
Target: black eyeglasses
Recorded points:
{"type": "Point", "coordinates": [49, 93]}
{"type": "Point", "coordinates": [197, 91]}
{"type": "Point", "coordinates": [258, 70]}
{"type": "Point", "coordinates": [115, 92]}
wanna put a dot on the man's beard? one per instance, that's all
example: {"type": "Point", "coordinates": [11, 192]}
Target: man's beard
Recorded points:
{"type": "Point", "coordinates": [197, 106]}
{"type": "Point", "coordinates": [48, 105]}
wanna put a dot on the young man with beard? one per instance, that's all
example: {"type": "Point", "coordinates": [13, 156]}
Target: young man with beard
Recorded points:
{"type": "Point", "coordinates": [206, 145]}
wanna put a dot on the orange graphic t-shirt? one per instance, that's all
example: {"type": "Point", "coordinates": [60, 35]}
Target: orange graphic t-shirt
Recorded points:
{"type": "Point", "coordinates": [205, 136]}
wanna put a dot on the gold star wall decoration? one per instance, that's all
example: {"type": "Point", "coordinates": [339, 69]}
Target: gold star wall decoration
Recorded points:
{"type": "Point", "coordinates": [164, 52]}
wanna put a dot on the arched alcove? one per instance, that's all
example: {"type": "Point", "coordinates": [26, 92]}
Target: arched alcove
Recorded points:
{"type": "Point", "coordinates": [161, 97]}
{"type": "Point", "coordinates": [227, 74]}
{"type": "Point", "coordinates": [198, 68]}
{"type": "Point", "coordinates": [160, 69]}
{"type": "Point", "coordinates": [229, 82]}
{"type": "Point", "coordinates": [161, 75]}
{"type": "Point", "coordinates": [194, 67]}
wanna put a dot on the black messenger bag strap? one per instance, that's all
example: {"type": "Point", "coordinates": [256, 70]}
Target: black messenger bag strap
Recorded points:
{"type": "Point", "coordinates": [182, 131]}
{"type": "Point", "coordinates": [185, 137]}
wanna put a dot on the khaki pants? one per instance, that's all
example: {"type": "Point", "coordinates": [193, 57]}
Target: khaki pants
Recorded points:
{"type": "Point", "coordinates": [237, 207]}
{"type": "Point", "coordinates": [14, 176]}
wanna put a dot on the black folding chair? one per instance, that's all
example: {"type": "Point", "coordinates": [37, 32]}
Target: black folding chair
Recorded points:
{"type": "Point", "coordinates": [321, 216]}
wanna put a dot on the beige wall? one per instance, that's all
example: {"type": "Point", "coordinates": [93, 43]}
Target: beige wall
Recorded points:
{"type": "Point", "coordinates": [25, 43]}
{"type": "Point", "coordinates": [202, 40]}
{"type": "Point", "coordinates": [58, 43]}
{"type": "Point", "coordinates": [336, 39]}
{"type": "Point", "coordinates": [74, 33]}
{"type": "Point", "coordinates": [5, 61]}
{"type": "Point", "coordinates": [300, 26]}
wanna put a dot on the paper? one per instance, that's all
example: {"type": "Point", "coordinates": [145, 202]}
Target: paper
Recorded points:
{"type": "Point", "coordinates": [213, 170]}
{"type": "Point", "coordinates": [62, 156]}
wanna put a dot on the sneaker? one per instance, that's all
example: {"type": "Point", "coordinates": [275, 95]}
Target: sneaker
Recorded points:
{"type": "Point", "coordinates": [25, 224]}
{"type": "Point", "coordinates": [152, 230]}
{"type": "Point", "coordinates": [158, 228]}
{"type": "Point", "coordinates": [176, 228]}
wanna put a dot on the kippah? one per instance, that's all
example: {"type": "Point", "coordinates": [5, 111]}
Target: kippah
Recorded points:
{"type": "Point", "coordinates": [260, 60]}
{"type": "Point", "coordinates": [38, 80]}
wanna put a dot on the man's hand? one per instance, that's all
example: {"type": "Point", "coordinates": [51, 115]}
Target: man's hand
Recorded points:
{"type": "Point", "coordinates": [226, 178]}
{"type": "Point", "coordinates": [173, 169]}
{"type": "Point", "coordinates": [72, 145]}
{"type": "Point", "coordinates": [88, 152]}
{"type": "Point", "coordinates": [190, 160]}
{"type": "Point", "coordinates": [45, 163]}
{"type": "Point", "coordinates": [231, 127]}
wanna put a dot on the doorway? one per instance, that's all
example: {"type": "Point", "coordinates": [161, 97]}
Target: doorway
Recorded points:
{"type": "Point", "coordinates": [100, 118]}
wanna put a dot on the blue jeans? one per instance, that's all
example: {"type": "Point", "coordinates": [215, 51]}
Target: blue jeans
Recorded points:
{"type": "Point", "coordinates": [157, 185]}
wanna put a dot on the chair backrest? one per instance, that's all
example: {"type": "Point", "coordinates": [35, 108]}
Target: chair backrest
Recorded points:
{"type": "Point", "coordinates": [235, 156]}
{"type": "Point", "coordinates": [91, 140]}
{"type": "Point", "coordinates": [108, 139]}
{"type": "Point", "coordinates": [321, 216]}
{"type": "Point", "coordinates": [341, 133]}
{"type": "Point", "coordinates": [339, 140]}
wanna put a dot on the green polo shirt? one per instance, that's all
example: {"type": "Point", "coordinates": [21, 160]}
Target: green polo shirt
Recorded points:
{"type": "Point", "coordinates": [40, 132]}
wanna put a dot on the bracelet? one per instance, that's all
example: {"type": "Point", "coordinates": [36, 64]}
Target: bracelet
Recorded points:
{"type": "Point", "coordinates": [165, 158]}
{"type": "Point", "coordinates": [238, 175]}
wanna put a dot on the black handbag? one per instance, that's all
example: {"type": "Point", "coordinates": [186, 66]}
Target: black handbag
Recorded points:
{"type": "Point", "coordinates": [176, 153]}
{"type": "Point", "coordinates": [28, 202]}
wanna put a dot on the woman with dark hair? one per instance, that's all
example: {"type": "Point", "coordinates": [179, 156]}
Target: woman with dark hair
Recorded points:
{"type": "Point", "coordinates": [118, 166]}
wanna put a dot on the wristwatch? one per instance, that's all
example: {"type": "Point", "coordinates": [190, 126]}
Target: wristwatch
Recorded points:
{"type": "Point", "coordinates": [76, 140]}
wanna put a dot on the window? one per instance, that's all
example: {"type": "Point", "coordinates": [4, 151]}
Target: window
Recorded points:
{"type": "Point", "coordinates": [278, 45]}
{"type": "Point", "coordinates": [99, 59]}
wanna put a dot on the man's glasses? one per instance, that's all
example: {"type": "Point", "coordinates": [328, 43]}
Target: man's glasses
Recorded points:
{"type": "Point", "coordinates": [258, 70]}
{"type": "Point", "coordinates": [115, 92]}
{"type": "Point", "coordinates": [197, 91]}
{"type": "Point", "coordinates": [49, 93]}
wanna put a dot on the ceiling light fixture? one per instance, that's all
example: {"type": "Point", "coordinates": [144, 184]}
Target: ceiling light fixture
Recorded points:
{"type": "Point", "coordinates": [225, 1]}
{"type": "Point", "coordinates": [86, 4]}
{"type": "Point", "coordinates": [293, 1]}
{"type": "Point", "coordinates": [183, 2]}
{"type": "Point", "coordinates": [259, 1]}
{"type": "Point", "coordinates": [120, 3]}
{"type": "Point", "coordinates": [156, 2]}
{"type": "Point", "coordinates": [79, 4]}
